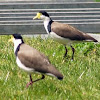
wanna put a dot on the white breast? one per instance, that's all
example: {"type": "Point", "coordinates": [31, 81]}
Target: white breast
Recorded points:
{"type": "Point", "coordinates": [45, 25]}
{"type": "Point", "coordinates": [23, 67]}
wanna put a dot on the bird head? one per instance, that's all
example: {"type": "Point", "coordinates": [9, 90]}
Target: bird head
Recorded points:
{"type": "Point", "coordinates": [42, 15]}
{"type": "Point", "coordinates": [16, 38]}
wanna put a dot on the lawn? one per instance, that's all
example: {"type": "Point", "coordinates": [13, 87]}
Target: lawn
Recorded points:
{"type": "Point", "coordinates": [81, 76]}
{"type": "Point", "coordinates": [97, 0]}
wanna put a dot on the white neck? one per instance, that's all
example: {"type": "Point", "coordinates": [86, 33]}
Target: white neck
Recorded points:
{"type": "Point", "coordinates": [46, 22]}
{"type": "Point", "coordinates": [16, 43]}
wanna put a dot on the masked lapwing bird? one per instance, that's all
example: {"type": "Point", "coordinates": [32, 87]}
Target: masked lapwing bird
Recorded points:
{"type": "Point", "coordinates": [63, 33]}
{"type": "Point", "coordinates": [31, 60]}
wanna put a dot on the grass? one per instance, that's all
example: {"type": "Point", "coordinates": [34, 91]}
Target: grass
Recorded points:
{"type": "Point", "coordinates": [81, 76]}
{"type": "Point", "coordinates": [97, 0]}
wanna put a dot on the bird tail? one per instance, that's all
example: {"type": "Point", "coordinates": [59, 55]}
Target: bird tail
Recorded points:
{"type": "Point", "coordinates": [54, 72]}
{"type": "Point", "coordinates": [95, 36]}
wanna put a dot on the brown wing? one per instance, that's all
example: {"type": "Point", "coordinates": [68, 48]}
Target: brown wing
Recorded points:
{"type": "Point", "coordinates": [67, 31]}
{"type": "Point", "coordinates": [32, 58]}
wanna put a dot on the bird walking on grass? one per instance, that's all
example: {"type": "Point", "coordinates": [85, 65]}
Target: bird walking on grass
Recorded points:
{"type": "Point", "coordinates": [63, 33]}
{"type": "Point", "coordinates": [31, 60]}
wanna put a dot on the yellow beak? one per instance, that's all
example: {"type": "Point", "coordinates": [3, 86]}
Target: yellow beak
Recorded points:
{"type": "Point", "coordinates": [35, 17]}
{"type": "Point", "coordinates": [11, 40]}
{"type": "Point", "coordinates": [38, 16]}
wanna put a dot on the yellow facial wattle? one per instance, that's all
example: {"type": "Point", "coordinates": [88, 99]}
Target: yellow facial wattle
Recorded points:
{"type": "Point", "coordinates": [38, 16]}
{"type": "Point", "coordinates": [11, 40]}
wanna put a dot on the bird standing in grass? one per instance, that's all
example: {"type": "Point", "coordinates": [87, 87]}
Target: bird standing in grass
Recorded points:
{"type": "Point", "coordinates": [31, 60]}
{"type": "Point", "coordinates": [63, 33]}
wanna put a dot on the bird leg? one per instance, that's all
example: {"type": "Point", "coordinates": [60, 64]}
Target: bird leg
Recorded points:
{"type": "Point", "coordinates": [73, 50]}
{"type": "Point", "coordinates": [65, 52]}
{"type": "Point", "coordinates": [31, 82]}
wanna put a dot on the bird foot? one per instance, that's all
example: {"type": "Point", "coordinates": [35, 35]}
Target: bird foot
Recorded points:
{"type": "Point", "coordinates": [30, 83]}
{"type": "Point", "coordinates": [63, 61]}
{"type": "Point", "coordinates": [72, 60]}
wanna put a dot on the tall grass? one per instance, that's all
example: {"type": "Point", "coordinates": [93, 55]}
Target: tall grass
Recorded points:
{"type": "Point", "coordinates": [81, 76]}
